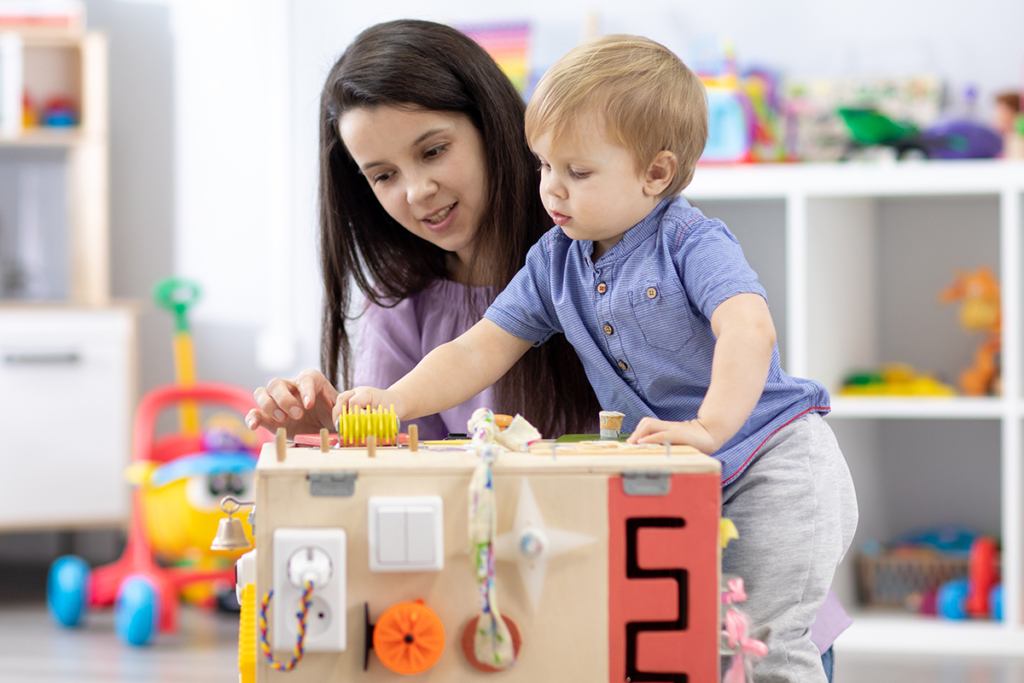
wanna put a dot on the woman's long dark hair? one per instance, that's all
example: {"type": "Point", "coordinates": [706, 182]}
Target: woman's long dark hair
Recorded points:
{"type": "Point", "coordinates": [431, 66]}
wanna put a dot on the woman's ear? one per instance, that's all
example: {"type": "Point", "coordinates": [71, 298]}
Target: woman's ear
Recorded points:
{"type": "Point", "coordinates": [660, 173]}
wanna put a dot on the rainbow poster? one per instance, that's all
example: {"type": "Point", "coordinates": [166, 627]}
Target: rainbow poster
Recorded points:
{"type": "Point", "coordinates": [509, 45]}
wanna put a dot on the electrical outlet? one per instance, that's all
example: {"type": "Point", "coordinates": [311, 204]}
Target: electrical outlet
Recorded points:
{"type": "Point", "coordinates": [317, 555]}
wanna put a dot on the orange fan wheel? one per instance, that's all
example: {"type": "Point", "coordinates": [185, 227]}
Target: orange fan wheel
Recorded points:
{"type": "Point", "coordinates": [408, 638]}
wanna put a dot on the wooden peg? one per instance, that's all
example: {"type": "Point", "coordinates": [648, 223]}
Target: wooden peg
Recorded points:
{"type": "Point", "coordinates": [279, 442]}
{"type": "Point", "coordinates": [371, 446]}
{"type": "Point", "coordinates": [414, 438]}
{"type": "Point", "coordinates": [325, 441]}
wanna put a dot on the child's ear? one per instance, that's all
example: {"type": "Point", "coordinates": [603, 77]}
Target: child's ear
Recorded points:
{"type": "Point", "coordinates": [660, 173]}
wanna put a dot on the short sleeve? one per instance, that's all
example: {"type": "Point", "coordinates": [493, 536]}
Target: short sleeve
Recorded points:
{"type": "Point", "coordinates": [524, 308]}
{"type": "Point", "coordinates": [389, 347]}
{"type": "Point", "coordinates": [712, 266]}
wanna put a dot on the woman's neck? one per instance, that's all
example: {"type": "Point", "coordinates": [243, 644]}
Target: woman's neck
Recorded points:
{"type": "Point", "coordinates": [459, 271]}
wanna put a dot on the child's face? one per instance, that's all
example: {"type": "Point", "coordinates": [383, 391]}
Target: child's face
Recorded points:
{"type": "Point", "coordinates": [426, 168]}
{"type": "Point", "coordinates": [590, 186]}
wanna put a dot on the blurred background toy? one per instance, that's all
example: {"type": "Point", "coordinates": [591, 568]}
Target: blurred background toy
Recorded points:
{"type": "Point", "coordinates": [178, 480]}
{"type": "Point", "coordinates": [1009, 123]}
{"type": "Point", "coordinates": [978, 294]}
{"type": "Point", "coordinates": [951, 139]}
{"type": "Point", "coordinates": [746, 122]}
{"type": "Point", "coordinates": [894, 379]}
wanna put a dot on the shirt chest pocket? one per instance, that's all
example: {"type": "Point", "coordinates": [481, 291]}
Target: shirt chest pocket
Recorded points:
{"type": "Point", "coordinates": [663, 315]}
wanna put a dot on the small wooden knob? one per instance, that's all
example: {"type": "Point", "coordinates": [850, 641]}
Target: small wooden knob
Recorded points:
{"type": "Point", "coordinates": [279, 442]}
{"type": "Point", "coordinates": [325, 441]}
{"type": "Point", "coordinates": [414, 438]}
{"type": "Point", "coordinates": [371, 446]}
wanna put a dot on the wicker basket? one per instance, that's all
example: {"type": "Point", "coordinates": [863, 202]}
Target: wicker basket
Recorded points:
{"type": "Point", "coordinates": [887, 580]}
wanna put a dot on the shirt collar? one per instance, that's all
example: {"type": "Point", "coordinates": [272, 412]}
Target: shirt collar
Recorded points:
{"type": "Point", "coordinates": [636, 235]}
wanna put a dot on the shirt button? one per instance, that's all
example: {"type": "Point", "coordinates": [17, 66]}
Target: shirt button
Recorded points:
{"type": "Point", "coordinates": [608, 329]}
{"type": "Point", "coordinates": [622, 365]}
{"type": "Point", "coordinates": [602, 288]}
{"type": "Point", "coordinates": [651, 292]}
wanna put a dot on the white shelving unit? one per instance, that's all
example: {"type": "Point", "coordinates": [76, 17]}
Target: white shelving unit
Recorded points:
{"type": "Point", "coordinates": [67, 352]}
{"type": "Point", "coordinates": [853, 258]}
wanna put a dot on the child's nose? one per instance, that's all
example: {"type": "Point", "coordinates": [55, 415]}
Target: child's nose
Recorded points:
{"type": "Point", "coordinates": [554, 187]}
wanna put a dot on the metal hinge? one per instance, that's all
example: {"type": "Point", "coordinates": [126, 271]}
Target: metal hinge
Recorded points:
{"type": "Point", "coordinates": [332, 483]}
{"type": "Point", "coordinates": [647, 482]}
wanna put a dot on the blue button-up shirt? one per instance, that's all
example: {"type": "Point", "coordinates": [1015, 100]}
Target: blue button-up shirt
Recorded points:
{"type": "Point", "coordinates": [639, 319]}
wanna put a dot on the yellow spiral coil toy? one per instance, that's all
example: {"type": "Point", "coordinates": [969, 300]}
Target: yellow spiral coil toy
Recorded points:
{"type": "Point", "coordinates": [355, 425]}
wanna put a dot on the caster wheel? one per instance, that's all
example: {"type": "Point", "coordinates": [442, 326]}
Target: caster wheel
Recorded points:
{"type": "Point", "coordinates": [67, 590]}
{"type": "Point", "coordinates": [137, 610]}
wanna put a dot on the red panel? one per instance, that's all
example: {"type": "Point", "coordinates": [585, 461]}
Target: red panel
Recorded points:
{"type": "Point", "coordinates": [693, 547]}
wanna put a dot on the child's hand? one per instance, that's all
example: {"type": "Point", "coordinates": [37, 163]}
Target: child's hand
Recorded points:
{"type": "Point", "coordinates": [367, 397]}
{"type": "Point", "coordinates": [301, 405]}
{"type": "Point", "coordinates": [689, 433]}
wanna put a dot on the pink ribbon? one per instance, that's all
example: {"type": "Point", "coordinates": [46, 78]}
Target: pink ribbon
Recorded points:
{"type": "Point", "coordinates": [736, 627]}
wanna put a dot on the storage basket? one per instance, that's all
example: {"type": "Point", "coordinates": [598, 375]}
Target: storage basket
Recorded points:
{"type": "Point", "coordinates": [887, 580]}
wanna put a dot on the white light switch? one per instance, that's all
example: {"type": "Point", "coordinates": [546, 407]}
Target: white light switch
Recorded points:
{"type": "Point", "coordinates": [419, 531]}
{"type": "Point", "coordinates": [406, 533]}
{"type": "Point", "coordinates": [391, 535]}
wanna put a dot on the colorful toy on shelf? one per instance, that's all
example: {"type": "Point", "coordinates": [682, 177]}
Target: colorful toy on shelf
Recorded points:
{"type": "Point", "coordinates": [59, 112]}
{"type": "Point", "coordinates": [895, 379]}
{"type": "Point", "coordinates": [746, 122]}
{"type": "Point", "coordinates": [175, 499]}
{"type": "Point", "coordinates": [978, 294]}
{"type": "Point", "coordinates": [950, 139]}
{"type": "Point", "coordinates": [979, 594]}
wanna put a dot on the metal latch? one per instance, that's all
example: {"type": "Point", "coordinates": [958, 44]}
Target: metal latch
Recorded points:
{"type": "Point", "coordinates": [646, 482]}
{"type": "Point", "coordinates": [332, 483]}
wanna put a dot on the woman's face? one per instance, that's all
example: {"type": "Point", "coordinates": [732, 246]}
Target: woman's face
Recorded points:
{"type": "Point", "coordinates": [426, 168]}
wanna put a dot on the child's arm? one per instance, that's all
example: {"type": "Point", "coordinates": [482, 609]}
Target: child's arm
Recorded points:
{"type": "Point", "coordinates": [743, 352]}
{"type": "Point", "coordinates": [447, 376]}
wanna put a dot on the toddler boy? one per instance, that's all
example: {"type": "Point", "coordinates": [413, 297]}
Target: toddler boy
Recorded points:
{"type": "Point", "coordinates": [671, 325]}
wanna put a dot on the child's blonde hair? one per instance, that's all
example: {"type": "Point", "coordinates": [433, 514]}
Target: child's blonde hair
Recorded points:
{"type": "Point", "coordinates": [648, 99]}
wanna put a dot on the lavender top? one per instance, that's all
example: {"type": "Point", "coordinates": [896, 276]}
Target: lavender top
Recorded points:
{"type": "Point", "coordinates": [393, 340]}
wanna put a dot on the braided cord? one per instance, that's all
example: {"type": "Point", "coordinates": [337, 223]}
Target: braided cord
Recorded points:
{"type": "Point", "coordinates": [302, 614]}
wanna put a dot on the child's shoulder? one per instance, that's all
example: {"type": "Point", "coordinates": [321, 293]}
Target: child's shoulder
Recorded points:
{"type": "Point", "coordinates": [682, 223]}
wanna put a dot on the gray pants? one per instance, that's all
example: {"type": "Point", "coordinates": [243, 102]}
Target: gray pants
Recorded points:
{"type": "Point", "coordinates": [796, 511]}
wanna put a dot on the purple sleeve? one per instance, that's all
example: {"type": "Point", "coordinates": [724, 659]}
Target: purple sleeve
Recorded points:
{"type": "Point", "coordinates": [393, 340]}
{"type": "Point", "coordinates": [388, 348]}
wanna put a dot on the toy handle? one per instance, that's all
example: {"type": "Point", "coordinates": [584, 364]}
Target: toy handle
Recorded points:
{"type": "Point", "coordinates": [177, 295]}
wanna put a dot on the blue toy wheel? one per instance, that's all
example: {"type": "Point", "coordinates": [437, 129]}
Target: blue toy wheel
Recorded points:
{"type": "Point", "coordinates": [137, 610]}
{"type": "Point", "coordinates": [951, 599]}
{"type": "Point", "coordinates": [67, 590]}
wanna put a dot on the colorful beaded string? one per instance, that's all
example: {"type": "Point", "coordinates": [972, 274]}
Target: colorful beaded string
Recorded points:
{"type": "Point", "coordinates": [302, 614]}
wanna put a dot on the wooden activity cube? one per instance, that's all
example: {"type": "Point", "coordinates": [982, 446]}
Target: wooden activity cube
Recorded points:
{"type": "Point", "coordinates": [638, 602]}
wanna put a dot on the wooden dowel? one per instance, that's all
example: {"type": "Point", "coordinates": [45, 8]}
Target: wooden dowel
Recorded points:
{"type": "Point", "coordinates": [414, 438]}
{"type": "Point", "coordinates": [279, 442]}
{"type": "Point", "coordinates": [371, 446]}
{"type": "Point", "coordinates": [325, 441]}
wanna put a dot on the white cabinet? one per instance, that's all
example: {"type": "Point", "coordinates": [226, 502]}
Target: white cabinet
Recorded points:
{"type": "Point", "coordinates": [66, 397]}
{"type": "Point", "coordinates": [853, 258]}
{"type": "Point", "coordinates": [66, 353]}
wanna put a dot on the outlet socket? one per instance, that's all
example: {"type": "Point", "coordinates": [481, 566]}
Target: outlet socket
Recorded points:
{"type": "Point", "coordinates": [300, 552]}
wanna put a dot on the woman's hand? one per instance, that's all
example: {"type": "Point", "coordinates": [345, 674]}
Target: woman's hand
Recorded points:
{"type": "Point", "coordinates": [689, 433]}
{"type": "Point", "coordinates": [302, 405]}
{"type": "Point", "coordinates": [368, 397]}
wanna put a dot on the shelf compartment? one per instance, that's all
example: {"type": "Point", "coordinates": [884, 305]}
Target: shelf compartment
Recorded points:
{"type": "Point", "coordinates": [912, 634]}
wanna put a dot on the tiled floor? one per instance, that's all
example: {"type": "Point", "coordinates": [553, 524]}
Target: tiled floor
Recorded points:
{"type": "Point", "coordinates": [33, 650]}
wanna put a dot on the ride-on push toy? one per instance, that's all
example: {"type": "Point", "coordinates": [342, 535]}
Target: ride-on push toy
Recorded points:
{"type": "Point", "coordinates": [178, 485]}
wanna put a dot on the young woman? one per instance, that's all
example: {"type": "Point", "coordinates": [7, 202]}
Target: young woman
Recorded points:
{"type": "Point", "coordinates": [428, 205]}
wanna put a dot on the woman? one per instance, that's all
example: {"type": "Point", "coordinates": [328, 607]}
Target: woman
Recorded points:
{"type": "Point", "coordinates": [428, 205]}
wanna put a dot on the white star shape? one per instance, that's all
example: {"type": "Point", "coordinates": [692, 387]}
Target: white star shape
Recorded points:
{"type": "Point", "coordinates": [531, 543]}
